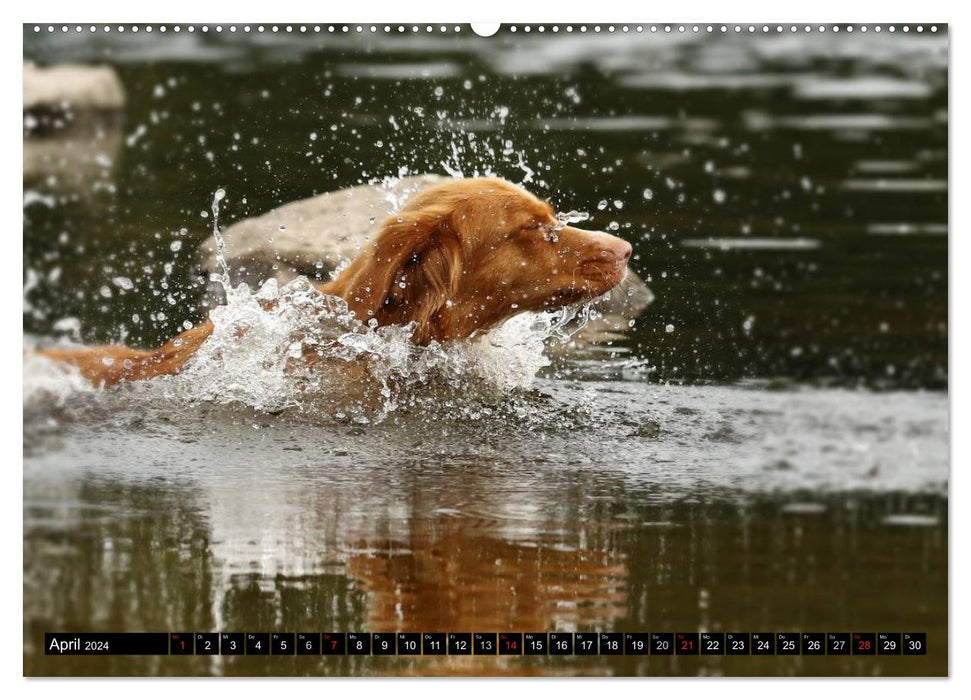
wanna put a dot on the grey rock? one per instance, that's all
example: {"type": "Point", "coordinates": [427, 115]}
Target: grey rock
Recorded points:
{"type": "Point", "coordinates": [73, 117]}
{"type": "Point", "coordinates": [308, 237]}
{"type": "Point", "coordinates": [72, 87]}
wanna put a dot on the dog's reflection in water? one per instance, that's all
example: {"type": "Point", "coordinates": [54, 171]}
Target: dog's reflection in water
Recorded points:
{"type": "Point", "coordinates": [457, 574]}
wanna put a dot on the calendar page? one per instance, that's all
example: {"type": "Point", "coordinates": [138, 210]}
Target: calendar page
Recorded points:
{"type": "Point", "coordinates": [513, 349]}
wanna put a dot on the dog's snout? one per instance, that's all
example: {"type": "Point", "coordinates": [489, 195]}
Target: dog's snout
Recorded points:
{"type": "Point", "coordinates": [603, 247]}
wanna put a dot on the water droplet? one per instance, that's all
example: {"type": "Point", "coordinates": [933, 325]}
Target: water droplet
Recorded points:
{"type": "Point", "coordinates": [570, 217]}
{"type": "Point", "coordinates": [222, 279]}
{"type": "Point", "coordinates": [648, 194]}
{"type": "Point", "coordinates": [602, 204]}
{"type": "Point", "coordinates": [669, 328]}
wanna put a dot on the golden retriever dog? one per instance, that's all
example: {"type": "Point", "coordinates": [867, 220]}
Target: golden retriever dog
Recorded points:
{"type": "Point", "coordinates": [462, 256]}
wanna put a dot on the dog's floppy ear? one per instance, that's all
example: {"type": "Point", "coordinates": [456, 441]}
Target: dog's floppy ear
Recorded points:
{"type": "Point", "coordinates": [409, 273]}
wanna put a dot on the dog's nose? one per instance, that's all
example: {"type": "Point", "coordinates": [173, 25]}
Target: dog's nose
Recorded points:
{"type": "Point", "coordinates": [603, 246]}
{"type": "Point", "coordinates": [618, 248]}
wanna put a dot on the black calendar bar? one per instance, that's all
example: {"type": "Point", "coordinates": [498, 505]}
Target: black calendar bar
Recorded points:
{"type": "Point", "coordinates": [105, 643]}
{"type": "Point", "coordinates": [292, 644]}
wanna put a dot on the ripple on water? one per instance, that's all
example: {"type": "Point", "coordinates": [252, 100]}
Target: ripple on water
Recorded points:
{"type": "Point", "coordinates": [803, 508]}
{"type": "Point", "coordinates": [911, 520]}
{"type": "Point", "coordinates": [752, 243]}
{"type": "Point", "coordinates": [670, 439]}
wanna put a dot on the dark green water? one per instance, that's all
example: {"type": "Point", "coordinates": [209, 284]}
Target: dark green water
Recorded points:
{"type": "Point", "coordinates": [787, 200]}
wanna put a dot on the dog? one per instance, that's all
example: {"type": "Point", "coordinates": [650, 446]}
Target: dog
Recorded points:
{"type": "Point", "coordinates": [461, 257]}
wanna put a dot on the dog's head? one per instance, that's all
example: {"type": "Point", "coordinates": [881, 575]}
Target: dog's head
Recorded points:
{"type": "Point", "coordinates": [466, 255]}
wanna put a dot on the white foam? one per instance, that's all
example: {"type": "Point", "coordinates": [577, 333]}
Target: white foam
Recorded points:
{"type": "Point", "coordinates": [54, 382]}
{"type": "Point", "coordinates": [294, 347]}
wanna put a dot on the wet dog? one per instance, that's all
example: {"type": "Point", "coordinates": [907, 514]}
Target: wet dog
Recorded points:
{"type": "Point", "coordinates": [461, 257]}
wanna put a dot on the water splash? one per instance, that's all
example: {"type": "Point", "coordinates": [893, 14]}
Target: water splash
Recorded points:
{"type": "Point", "coordinates": [292, 347]}
{"type": "Point", "coordinates": [222, 279]}
{"type": "Point", "coordinates": [46, 382]}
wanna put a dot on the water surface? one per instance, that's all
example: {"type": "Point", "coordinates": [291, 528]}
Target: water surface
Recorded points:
{"type": "Point", "coordinates": [612, 506]}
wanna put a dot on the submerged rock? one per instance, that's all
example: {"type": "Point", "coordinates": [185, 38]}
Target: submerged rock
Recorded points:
{"type": "Point", "coordinates": [313, 236]}
{"type": "Point", "coordinates": [73, 162]}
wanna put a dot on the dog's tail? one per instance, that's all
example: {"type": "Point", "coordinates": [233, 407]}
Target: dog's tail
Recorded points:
{"type": "Point", "coordinates": [106, 365]}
